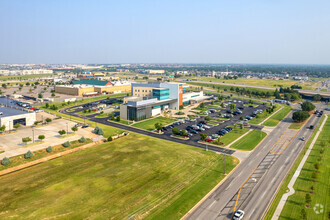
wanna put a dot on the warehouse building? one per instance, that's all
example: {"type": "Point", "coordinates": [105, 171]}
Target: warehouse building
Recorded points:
{"type": "Point", "coordinates": [93, 87]}
{"type": "Point", "coordinates": [9, 116]}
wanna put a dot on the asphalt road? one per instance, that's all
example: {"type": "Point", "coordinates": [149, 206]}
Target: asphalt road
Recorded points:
{"type": "Point", "coordinates": [259, 176]}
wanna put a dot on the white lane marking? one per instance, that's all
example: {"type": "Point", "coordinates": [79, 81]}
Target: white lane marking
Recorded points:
{"type": "Point", "coordinates": [212, 203]}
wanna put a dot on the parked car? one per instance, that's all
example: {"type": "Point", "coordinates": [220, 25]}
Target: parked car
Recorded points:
{"type": "Point", "coordinates": [192, 131]}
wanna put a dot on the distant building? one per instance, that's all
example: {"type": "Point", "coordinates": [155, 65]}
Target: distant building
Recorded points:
{"type": "Point", "coordinates": [92, 87]}
{"type": "Point", "coordinates": [155, 71]}
{"type": "Point", "coordinates": [304, 78]}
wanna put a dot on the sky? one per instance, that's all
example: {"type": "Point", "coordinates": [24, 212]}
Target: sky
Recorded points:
{"type": "Point", "coordinates": [167, 31]}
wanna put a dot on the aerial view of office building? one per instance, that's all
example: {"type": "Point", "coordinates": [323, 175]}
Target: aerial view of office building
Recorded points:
{"type": "Point", "coordinates": [149, 99]}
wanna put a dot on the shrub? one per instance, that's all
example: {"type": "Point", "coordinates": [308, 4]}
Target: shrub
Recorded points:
{"type": "Point", "coordinates": [28, 155]}
{"type": "Point", "coordinates": [5, 161]}
{"type": "Point", "coordinates": [175, 131]}
{"type": "Point", "coordinates": [66, 144]}
{"type": "Point", "coordinates": [48, 120]}
{"type": "Point", "coordinates": [41, 137]}
{"type": "Point", "coordinates": [109, 138]}
{"type": "Point", "coordinates": [49, 149]}
{"type": "Point", "coordinates": [118, 118]}
{"type": "Point", "coordinates": [203, 136]}
{"type": "Point", "coordinates": [98, 131]}
{"type": "Point", "coordinates": [82, 139]}
{"type": "Point", "coordinates": [207, 118]}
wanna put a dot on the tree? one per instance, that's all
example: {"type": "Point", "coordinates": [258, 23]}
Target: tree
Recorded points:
{"type": "Point", "coordinates": [49, 149]}
{"type": "Point", "coordinates": [66, 144]}
{"type": "Point", "coordinates": [47, 105]}
{"type": "Point", "coordinates": [202, 105]}
{"type": "Point", "coordinates": [232, 106]}
{"type": "Point", "coordinates": [158, 126]}
{"type": "Point", "coordinates": [317, 97]}
{"type": "Point", "coordinates": [118, 118]}
{"type": "Point", "coordinates": [74, 128]}
{"type": "Point", "coordinates": [207, 118]}
{"type": "Point", "coordinates": [62, 132]}
{"type": "Point", "coordinates": [5, 161]}
{"type": "Point", "coordinates": [82, 139]}
{"type": "Point", "coordinates": [307, 106]}
{"type": "Point", "coordinates": [184, 133]}
{"type": "Point", "coordinates": [48, 120]}
{"type": "Point", "coordinates": [109, 138]}
{"type": "Point", "coordinates": [203, 136]}
{"type": "Point", "coordinates": [41, 137]}
{"type": "Point", "coordinates": [26, 139]}
{"type": "Point", "coordinates": [300, 116]}
{"type": "Point", "coordinates": [175, 131]}
{"type": "Point", "coordinates": [40, 96]}
{"type": "Point", "coordinates": [16, 125]}
{"type": "Point", "coordinates": [53, 94]}
{"type": "Point", "coordinates": [28, 155]}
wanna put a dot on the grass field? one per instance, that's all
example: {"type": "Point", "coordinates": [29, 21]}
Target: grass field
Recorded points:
{"type": "Point", "coordinates": [231, 136]}
{"type": "Point", "coordinates": [134, 175]}
{"type": "Point", "coordinates": [283, 189]}
{"type": "Point", "coordinates": [263, 116]}
{"type": "Point", "coordinates": [149, 124]}
{"type": "Point", "coordinates": [279, 116]}
{"type": "Point", "coordinates": [249, 141]}
{"type": "Point", "coordinates": [296, 125]}
{"type": "Point", "coordinates": [21, 77]}
{"type": "Point", "coordinates": [320, 194]}
{"type": "Point", "coordinates": [263, 82]}
{"type": "Point", "coordinates": [86, 113]}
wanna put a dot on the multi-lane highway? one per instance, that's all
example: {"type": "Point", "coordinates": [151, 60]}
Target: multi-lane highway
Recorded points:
{"type": "Point", "coordinates": [252, 185]}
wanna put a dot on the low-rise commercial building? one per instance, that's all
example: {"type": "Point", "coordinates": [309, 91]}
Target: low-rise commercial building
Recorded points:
{"type": "Point", "coordinates": [10, 116]}
{"type": "Point", "coordinates": [93, 87]}
{"type": "Point", "coordinates": [150, 99]}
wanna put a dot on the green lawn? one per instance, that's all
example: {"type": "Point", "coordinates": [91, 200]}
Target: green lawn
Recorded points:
{"type": "Point", "coordinates": [247, 105]}
{"type": "Point", "coordinates": [320, 194]}
{"type": "Point", "coordinates": [249, 141]}
{"type": "Point", "coordinates": [296, 125]}
{"type": "Point", "coordinates": [21, 77]}
{"type": "Point", "coordinates": [231, 136]}
{"type": "Point", "coordinates": [263, 116]}
{"type": "Point", "coordinates": [134, 175]}
{"type": "Point", "coordinates": [279, 116]}
{"type": "Point", "coordinates": [86, 113]}
{"type": "Point", "coordinates": [149, 124]}
{"type": "Point", "coordinates": [212, 123]}
{"type": "Point", "coordinates": [103, 115]}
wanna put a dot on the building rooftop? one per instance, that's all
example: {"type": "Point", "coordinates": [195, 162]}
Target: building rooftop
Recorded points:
{"type": "Point", "coordinates": [93, 82]}
{"type": "Point", "coordinates": [7, 112]}
{"type": "Point", "coordinates": [75, 86]}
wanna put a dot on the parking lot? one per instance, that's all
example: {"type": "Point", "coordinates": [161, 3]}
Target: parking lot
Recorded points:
{"type": "Point", "coordinates": [214, 129]}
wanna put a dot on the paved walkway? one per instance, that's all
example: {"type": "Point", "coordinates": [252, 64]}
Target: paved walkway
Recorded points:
{"type": "Point", "coordinates": [296, 175]}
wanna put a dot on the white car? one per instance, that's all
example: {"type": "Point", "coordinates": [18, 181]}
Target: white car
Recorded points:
{"type": "Point", "coordinates": [238, 215]}
{"type": "Point", "coordinates": [1, 113]}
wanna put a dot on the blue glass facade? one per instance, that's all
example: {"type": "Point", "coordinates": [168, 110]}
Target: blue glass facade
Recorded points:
{"type": "Point", "coordinates": [161, 94]}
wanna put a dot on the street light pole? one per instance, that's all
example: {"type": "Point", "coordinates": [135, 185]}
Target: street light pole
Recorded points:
{"type": "Point", "coordinates": [33, 135]}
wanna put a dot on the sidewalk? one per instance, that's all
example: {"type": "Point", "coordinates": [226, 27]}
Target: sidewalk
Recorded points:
{"type": "Point", "coordinates": [296, 175]}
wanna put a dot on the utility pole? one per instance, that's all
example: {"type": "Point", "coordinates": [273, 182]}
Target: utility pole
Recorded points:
{"type": "Point", "coordinates": [67, 128]}
{"type": "Point", "coordinates": [206, 147]}
{"type": "Point", "coordinates": [33, 135]}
